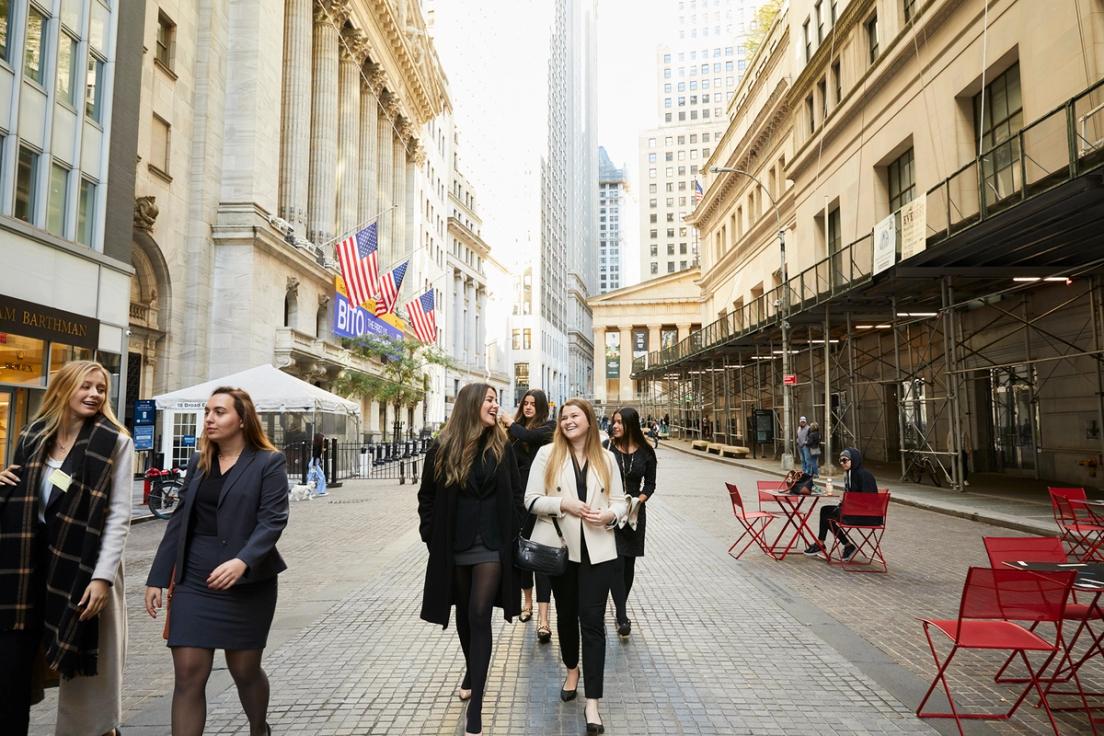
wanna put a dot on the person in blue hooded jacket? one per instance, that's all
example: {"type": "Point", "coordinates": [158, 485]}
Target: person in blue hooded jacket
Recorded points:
{"type": "Point", "coordinates": [856, 479]}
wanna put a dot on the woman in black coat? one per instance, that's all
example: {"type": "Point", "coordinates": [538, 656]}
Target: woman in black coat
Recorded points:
{"type": "Point", "coordinates": [529, 431]}
{"type": "Point", "coordinates": [636, 462]}
{"type": "Point", "coordinates": [470, 507]}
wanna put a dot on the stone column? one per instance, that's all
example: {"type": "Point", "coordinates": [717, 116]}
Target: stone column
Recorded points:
{"type": "Point", "coordinates": [370, 84]}
{"type": "Point", "coordinates": [600, 365]}
{"type": "Point", "coordinates": [469, 321]}
{"type": "Point", "coordinates": [353, 52]}
{"type": "Point", "coordinates": [373, 417]}
{"type": "Point", "coordinates": [328, 17]}
{"type": "Point", "coordinates": [295, 114]}
{"type": "Point", "coordinates": [415, 157]}
{"type": "Point", "coordinates": [625, 384]}
{"type": "Point", "coordinates": [683, 331]}
{"type": "Point", "coordinates": [399, 237]}
{"type": "Point", "coordinates": [384, 187]}
{"type": "Point", "coordinates": [481, 324]}
{"type": "Point", "coordinates": [457, 315]}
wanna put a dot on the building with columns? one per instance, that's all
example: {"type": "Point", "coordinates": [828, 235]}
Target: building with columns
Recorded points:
{"type": "Point", "coordinates": [267, 130]}
{"type": "Point", "coordinates": [631, 322]}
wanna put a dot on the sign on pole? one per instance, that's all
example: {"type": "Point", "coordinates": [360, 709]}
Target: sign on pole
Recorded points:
{"type": "Point", "coordinates": [885, 244]}
{"type": "Point", "coordinates": [914, 227]}
{"type": "Point", "coordinates": [790, 379]}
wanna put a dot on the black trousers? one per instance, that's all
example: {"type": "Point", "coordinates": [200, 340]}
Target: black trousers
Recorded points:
{"type": "Point", "coordinates": [829, 515]}
{"type": "Point", "coordinates": [544, 585]}
{"type": "Point", "coordinates": [622, 585]}
{"type": "Point", "coordinates": [581, 595]}
{"type": "Point", "coordinates": [17, 652]}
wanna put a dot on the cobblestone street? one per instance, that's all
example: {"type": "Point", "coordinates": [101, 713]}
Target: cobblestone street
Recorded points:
{"type": "Point", "coordinates": [718, 646]}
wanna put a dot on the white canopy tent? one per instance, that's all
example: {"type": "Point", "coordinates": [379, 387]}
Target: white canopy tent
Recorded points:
{"type": "Point", "coordinates": [291, 410]}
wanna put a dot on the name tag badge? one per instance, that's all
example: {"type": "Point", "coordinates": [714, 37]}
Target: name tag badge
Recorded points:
{"type": "Point", "coordinates": [60, 479]}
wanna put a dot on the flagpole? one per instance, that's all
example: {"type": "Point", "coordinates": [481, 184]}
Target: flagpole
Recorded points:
{"type": "Point", "coordinates": [355, 230]}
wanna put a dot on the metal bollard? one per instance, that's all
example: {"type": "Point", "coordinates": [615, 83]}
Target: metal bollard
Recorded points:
{"type": "Point", "coordinates": [402, 473]}
{"type": "Point", "coordinates": [414, 472]}
{"type": "Point", "coordinates": [304, 459]}
{"type": "Point", "coordinates": [331, 463]}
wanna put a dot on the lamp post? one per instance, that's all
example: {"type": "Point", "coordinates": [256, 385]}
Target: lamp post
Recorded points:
{"type": "Point", "coordinates": [787, 428]}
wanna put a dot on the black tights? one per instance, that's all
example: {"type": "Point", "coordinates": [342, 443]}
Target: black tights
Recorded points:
{"type": "Point", "coordinates": [476, 590]}
{"type": "Point", "coordinates": [192, 667]}
{"type": "Point", "coordinates": [622, 585]}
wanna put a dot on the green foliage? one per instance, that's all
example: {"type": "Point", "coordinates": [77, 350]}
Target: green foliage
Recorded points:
{"type": "Point", "coordinates": [764, 18]}
{"type": "Point", "coordinates": [402, 380]}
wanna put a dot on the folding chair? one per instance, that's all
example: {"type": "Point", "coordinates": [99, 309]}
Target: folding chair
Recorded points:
{"type": "Point", "coordinates": [991, 600]}
{"type": "Point", "coordinates": [1076, 524]}
{"type": "Point", "coordinates": [1048, 549]}
{"type": "Point", "coordinates": [755, 523]}
{"type": "Point", "coordinates": [867, 538]}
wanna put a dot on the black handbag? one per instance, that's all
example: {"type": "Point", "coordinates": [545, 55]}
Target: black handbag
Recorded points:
{"type": "Point", "coordinates": [541, 558]}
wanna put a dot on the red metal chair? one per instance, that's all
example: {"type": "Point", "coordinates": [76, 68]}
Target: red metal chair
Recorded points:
{"type": "Point", "coordinates": [755, 523]}
{"type": "Point", "coordinates": [1077, 525]}
{"type": "Point", "coordinates": [1048, 549]}
{"type": "Point", "coordinates": [991, 600]}
{"type": "Point", "coordinates": [867, 538]}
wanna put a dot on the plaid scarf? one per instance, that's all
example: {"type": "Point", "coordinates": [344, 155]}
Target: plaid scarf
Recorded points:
{"type": "Point", "coordinates": [74, 526]}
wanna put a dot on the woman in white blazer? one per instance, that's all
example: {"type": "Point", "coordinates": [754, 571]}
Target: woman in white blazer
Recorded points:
{"type": "Point", "coordinates": [575, 481]}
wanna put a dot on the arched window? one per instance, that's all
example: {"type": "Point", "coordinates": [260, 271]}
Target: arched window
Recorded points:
{"type": "Point", "coordinates": [291, 307]}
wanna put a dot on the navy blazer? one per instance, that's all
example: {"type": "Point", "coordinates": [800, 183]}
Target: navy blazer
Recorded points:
{"type": "Point", "coordinates": [252, 513]}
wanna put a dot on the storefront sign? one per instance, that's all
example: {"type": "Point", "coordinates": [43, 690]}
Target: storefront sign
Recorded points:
{"type": "Point", "coordinates": [885, 243]}
{"type": "Point", "coordinates": [354, 322]}
{"type": "Point", "coordinates": [914, 227]}
{"type": "Point", "coordinates": [44, 323]}
{"type": "Point", "coordinates": [143, 437]}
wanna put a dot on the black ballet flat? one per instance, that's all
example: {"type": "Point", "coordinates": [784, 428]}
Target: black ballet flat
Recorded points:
{"type": "Point", "coordinates": [568, 695]}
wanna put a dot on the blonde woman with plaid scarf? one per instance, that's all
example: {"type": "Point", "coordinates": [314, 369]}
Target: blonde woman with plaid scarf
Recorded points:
{"type": "Point", "coordinates": [64, 518]}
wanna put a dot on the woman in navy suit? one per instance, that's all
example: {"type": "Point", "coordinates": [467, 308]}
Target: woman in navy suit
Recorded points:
{"type": "Point", "coordinates": [220, 549]}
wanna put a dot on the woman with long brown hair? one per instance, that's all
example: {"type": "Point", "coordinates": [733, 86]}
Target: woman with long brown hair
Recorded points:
{"type": "Point", "coordinates": [577, 482]}
{"type": "Point", "coordinates": [64, 518]}
{"type": "Point", "coordinates": [220, 551]}
{"type": "Point", "coordinates": [469, 506]}
{"type": "Point", "coordinates": [530, 430]}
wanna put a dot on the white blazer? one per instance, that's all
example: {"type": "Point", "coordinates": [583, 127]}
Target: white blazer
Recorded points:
{"type": "Point", "coordinates": [545, 504]}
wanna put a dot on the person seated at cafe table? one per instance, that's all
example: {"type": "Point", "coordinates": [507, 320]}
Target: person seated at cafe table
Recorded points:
{"type": "Point", "coordinates": [856, 479]}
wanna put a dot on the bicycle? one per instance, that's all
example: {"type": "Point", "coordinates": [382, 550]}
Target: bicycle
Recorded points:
{"type": "Point", "coordinates": [165, 488]}
{"type": "Point", "coordinates": [924, 465]}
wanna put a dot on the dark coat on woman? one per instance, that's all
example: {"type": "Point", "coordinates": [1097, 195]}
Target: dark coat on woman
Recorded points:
{"type": "Point", "coordinates": [638, 473]}
{"type": "Point", "coordinates": [438, 515]}
{"type": "Point", "coordinates": [526, 442]}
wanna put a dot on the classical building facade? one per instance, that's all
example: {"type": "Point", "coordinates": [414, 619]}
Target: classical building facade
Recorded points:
{"type": "Point", "coordinates": [933, 167]}
{"type": "Point", "coordinates": [69, 81]}
{"type": "Point", "coordinates": [269, 130]}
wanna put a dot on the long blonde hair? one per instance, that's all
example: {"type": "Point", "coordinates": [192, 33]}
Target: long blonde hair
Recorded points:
{"type": "Point", "coordinates": [252, 430]}
{"type": "Point", "coordinates": [561, 448]}
{"type": "Point", "coordinates": [62, 386]}
{"type": "Point", "coordinates": [459, 439]}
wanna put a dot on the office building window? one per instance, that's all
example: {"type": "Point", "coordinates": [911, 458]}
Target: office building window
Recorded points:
{"type": "Point", "coordinates": [527, 339]}
{"type": "Point", "coordinates": [819, 21]}
{"type": "Point", "coordinates": [670, 267]}
{"type": "Point", "coordinates": [515, 339]}
{"type": "Point", "coordinates": [34, 57]}
{"type": "Point", "coordinates": [902, 181]}
{"type": "Point", "coordinates": [57, 199]}
{"type": "Point", "coordinates": [86, 216]}
{"type": "Point", "coordinates": [93, 97]}
{"type": "Point", "coordinates": [822, 89]}
{"type": "Point", "coordinates": [160, 139]}
{"type": "Point", "coordinates": [872, 37]}
{"type": "Point", "coordinates": [166, 40]}
{"type": "Point", "coordinates": [5, 28]}
{"type": "Point", "coordinates": [810, 113]}
{"type": "Point", "coordinates": [654, 268]}
{"type": "Point", "coordinates": [998, 117]}
{"type": "Point", "coordinates": [837, 81]}
{"type": "Point", "coordinates": [653, 250]}
{"type": "Point", "coordinates": [26, 182]}
{"type": "Point", "coordinates": [68, 71]}
{"type": "Point", "coordinates": [670, 249]}
{"type": "Point", "coordinates": [910, 9]}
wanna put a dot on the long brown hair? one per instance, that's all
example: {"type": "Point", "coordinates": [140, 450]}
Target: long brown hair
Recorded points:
{"type": "Point", "coordinates": [252, 430]}
{"type": "Point", "coordinates": [459, 439]}
{"type": "Point", "coordinates": [62, 386]}
{"type": "Point", "coordinates": [561, 448]}
{"type": "Point", "coordinates": [540, 406]}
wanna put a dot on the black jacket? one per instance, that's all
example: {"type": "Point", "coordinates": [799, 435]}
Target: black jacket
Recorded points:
{"type": "Point", "coordinates": [438, 514]}
{"type": "Point", "coordinates": [638, 473]}
{"type": "Point", "coordinates": [860, 480]}
{"type": "Point", "coordinates": [526, 442]}
{"type": "Point", "coordinates": [252, 514]}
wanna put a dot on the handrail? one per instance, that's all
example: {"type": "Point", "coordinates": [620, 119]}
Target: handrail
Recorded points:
{"type": "Point", "coordinates": [828, 278]}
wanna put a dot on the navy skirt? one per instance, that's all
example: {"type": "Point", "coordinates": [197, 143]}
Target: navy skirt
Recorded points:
{"type": "Point", "coordinates": [238, 618]}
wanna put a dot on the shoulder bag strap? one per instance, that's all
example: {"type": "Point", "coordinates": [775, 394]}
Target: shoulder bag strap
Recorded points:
{"type": "Point", "coordinates": [554, 523]}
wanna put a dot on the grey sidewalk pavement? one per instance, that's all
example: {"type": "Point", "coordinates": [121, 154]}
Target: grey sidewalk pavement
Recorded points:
{"type": "Point", "coordinates": [1029, 515]}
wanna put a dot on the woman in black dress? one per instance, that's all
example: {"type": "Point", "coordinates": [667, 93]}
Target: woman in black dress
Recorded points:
{"type": "Point", "coordinates": [530, 430]}
{"type": "Point", "coordinates": [636, 462]}
{"type": "Point", "coordinates": [220, 550]}
{"type": "Point", "coordinates": [470, 507]}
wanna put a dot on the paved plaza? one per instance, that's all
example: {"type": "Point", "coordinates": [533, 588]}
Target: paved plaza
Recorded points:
{"type": "Point", "coordinates": [718, 647]}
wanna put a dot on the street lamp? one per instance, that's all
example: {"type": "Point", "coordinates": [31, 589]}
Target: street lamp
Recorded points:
{"type": "Point", "coordinates": [787, 428]}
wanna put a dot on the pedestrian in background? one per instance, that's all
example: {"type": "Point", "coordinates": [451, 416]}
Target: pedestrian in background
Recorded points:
{"type": "Point", "coordinates": [577, 482]}
{"type": "Point", "coordinates": [219, 555]}
{"type": "Point", "coordinates": [64, 518]}
{"type": "Point", "coordinates": [803, 443]}
{"type": "Point", "coordinates": [316, 472]}
{"type": "Point", "coordinates": [856, 479]}
{"type": "Point", "coordinates": [470, 511]}
{"type": "Point", "coordinates": [636, 462]}
{"type": "Point", "coordinates": [812, 444]}
{"type": "Point", "coordinates": [530, 430]}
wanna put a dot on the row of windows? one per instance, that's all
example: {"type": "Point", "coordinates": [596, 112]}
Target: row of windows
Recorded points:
{"type": "Point", "coordinates": [653, 267]}
{"type": "Point", "coordinates": [703, 70]}
{"type": "Point", "coordinates": [681, 117]}
{"type": "Point", "coordinates": [670, 186]}
{"type": "Point", "coordinates": [670, 171]}
{"type": "Point", "coordinates": [705, 54]}
{"type": "Point", "coordinates": [670, 155]}
{"type": "Point", "coordinates": [60, 185]}
{"type": "Point", "coordinates": [693, 100]}
{"type": "Point", "coordinates": [670, 140]}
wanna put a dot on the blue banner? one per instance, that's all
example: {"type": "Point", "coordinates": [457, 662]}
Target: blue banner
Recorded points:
{"type": "Point", "coordinates": [350, 322]}
{"type": "Point", "coordinates": [143, 437]}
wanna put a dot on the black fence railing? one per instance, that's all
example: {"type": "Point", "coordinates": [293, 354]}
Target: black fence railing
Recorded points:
{"type": "Point", "coordinates": [399, 460]}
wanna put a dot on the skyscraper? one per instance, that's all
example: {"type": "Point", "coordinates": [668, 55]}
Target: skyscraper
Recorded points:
{"type": "Point", "coordinates": [697, 70]}
{"type": "Point", "coordinates": [613, 224]}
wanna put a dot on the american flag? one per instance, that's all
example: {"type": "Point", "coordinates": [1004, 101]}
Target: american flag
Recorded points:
{"type": "Point", "coordinates": [420, 315]}
{"type": "Point", "coordinates": [698, 193]}
{"type": "Point", "coordinates": [389, 289]}
{"type": "Point", "coordinates": [359, 260]}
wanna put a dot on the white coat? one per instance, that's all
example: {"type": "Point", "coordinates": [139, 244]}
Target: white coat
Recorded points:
{"type": "Point", "coordinates": [545, 504]}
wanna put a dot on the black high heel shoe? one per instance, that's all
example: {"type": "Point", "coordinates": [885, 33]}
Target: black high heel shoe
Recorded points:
{"type": "Point", "coordinates": [569, 695]}
{"type": "Point", "coordinates": [598, 727]}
